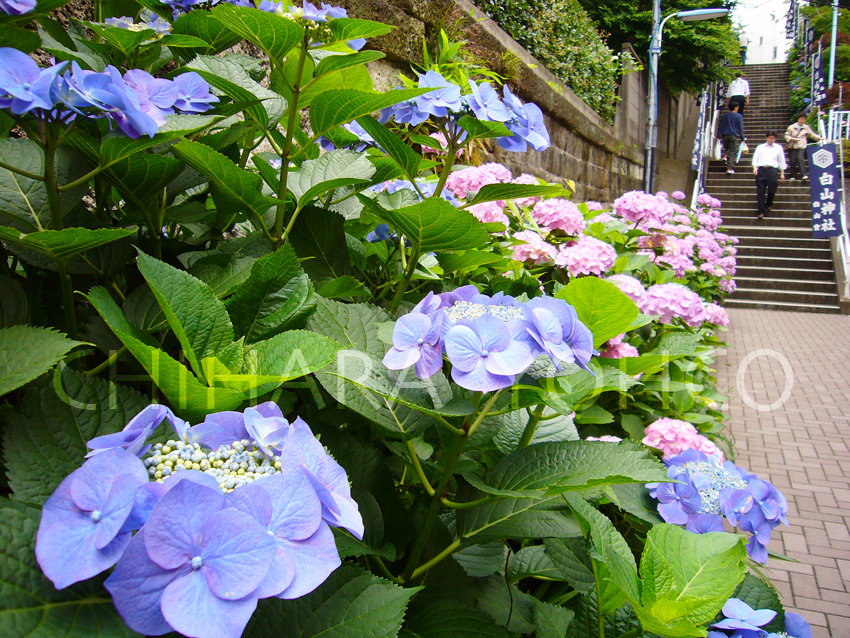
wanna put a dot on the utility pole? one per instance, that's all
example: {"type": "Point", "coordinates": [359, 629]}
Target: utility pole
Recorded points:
{"type": "Point", "coordinates": [652, 115]}
{"type": "Point", "coordinates": [832, 48]}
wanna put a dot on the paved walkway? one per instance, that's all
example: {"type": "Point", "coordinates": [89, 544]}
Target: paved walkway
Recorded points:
{"type": "Point", "coordinates": [801, 445]}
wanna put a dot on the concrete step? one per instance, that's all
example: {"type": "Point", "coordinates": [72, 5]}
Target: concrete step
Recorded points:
{"type": "Point", "coordinates": [769, 241]}
{"type": "Point", "coordinates": [735, 224]}
{"type": "Point", "coordinates": [782, 252]}
{"type": "Point", "coordinates": [733, 302]}
{"type": "Point", "coordinates": [769, 272]}
{"type": "Point", "coordinates": [762, 231]}
{"type": "Point", "coordinates": [788, 296]}
{"type": "Point", "coordinates": [787, 263]}
{"type": "Point", "coordinates": [785, 285]}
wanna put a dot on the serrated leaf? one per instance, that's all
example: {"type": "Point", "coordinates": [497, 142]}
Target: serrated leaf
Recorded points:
{"type": "Point", "coordinates": [601, 306]}
{"type": "Point", "coordinates": [29, 604]}
{"type": "Point", "coordinates": [470, 260]}
{"type": "Point", "coordinates": [345, 29]}
{"type": "Point", "coordinates": [338, 62]}
{"type": "Point", "coordinates": [61, 245]}
{"type": "Point", "coordinates": [21, 39]}
{"type": "Point", "coordinates": [443, 618]}
{"type": "Point", "coordinates": [551, 621]}
{"type": "Point", "coordinates": [478, 129]}
{"type": "Point", "coordinates": [434, 225]}
{"type": "Point", "coordinates": [197, 317]}
{"type": "Point", "coordinates": [496, 192]}
{"type": "Point", "coordinates": [13, 303]}
{"type": "Point", "coordinates": [142, 309]}
{"type": "Point", "coordinates": [533, 562]}
{"type": "Point", "coordinates": [203, 25]}
{"type": "Point", "coordinates": [482, 560]}
{"type": "Point", "coordinates": [272, 33]}
{"type": "Point", "coordinates": [27, 352]}
{"type": "Point", "coordinates": [572, 561]}
{"type": "Point", "coordinates": [331, 171]}
{"type": "Point", "coordinates": [635, 499]}
{"type": "Point", "coordinates": [318, 237]}
{"type": "Point", "coordinates": [587, 619]}
{"type": "Point", "coordinates": [671, 347]}
{"type": "Point", "coordinates": [515, 518]}
{"type": "Point", "coordinates": [289, 355]}
{"type": "Point", "coordinates": [187, 396]}
{"type": "Point", "coordinates": [582, 385]}
{"type": "Point", "coordinates": [351, 603]}
{"type": "Point", "coordinates": [343, 288]}
{"type": "Point", "coordinates": [276, 296]}
{"type": "Point", "coordinates": [408, 160]}
{"type": "Point", "coordinates": [56, 418]}
{"type": "Point", "coordinates": [338, 106]}
{"type": "Point", "coordinates": [351, 325]}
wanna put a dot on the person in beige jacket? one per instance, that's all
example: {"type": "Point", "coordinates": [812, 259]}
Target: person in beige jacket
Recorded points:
{"type": "Point", "coordinates": [795, 136]}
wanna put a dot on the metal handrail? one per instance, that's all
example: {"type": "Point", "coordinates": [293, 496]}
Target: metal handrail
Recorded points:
{"type": "Point", "coordinates": [838, 130]}
{"type": "Point", "coordinates": [709, 126]}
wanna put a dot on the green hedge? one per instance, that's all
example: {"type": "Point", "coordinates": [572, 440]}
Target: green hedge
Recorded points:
{"type": "Point", "coordinates": [562, 36]}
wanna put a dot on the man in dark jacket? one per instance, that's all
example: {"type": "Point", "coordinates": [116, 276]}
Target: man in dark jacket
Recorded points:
{"type": "Point", "coordinates": [731, 131]}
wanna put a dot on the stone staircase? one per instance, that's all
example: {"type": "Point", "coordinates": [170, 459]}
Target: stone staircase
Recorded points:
{"type": "Point", "coordinates": [780, 265]}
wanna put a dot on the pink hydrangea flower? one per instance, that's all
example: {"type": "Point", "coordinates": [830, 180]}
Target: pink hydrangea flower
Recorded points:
{"type": "Point", "coordinates": [678, 195]}
{"type": "Point", "coordinates": [616, 349]}
{"type": "Point", "coordinates": [705, 199]}
{"type": "Point", "coordinates": [441, 139]}
{"type": "Point", "coordinates": [489, 212]}
{"type": "Point", "coordinates": [591, 205]}
{"type": "Point", "coordinates": [587, 256]}
{"type": "Point", "coordinates": [651, 211]}
{"type": "Point", "coordinates": [472, 179]}
{"type": "Point", "coordinates": [673, 437]}
{"type": "Point", "coordinates": [559, 214]}
{"type": "Point", "coordinates": [633, 289]}
{"type": "Point", "coordinates": [716, 314]}
{"type": "Point", "coordinates": [606, 438]}
{"type": "Point", "coordinates": [529, 180]}
{"type": "Point", "coordinates": [602, 218]}
{"type": "Point", "coordinates": [728, 285]}
{"type": "Point", "coordinates": [535, 249]}
{"type": "Point", "coordinates": [673, 300]}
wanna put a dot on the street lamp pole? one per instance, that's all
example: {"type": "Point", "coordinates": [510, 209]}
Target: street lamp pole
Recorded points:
{"type": "Point", "coordinates": [652, 98]}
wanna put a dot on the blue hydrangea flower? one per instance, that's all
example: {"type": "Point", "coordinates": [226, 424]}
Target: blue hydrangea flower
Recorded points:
{"type": "Point", "coordinates": [485, 103]}
{"type": "Point", "coordinates": [416, 341]}
{"type": "Point", "coordinates": [735, 503]}
{"type": "Point", "coordinates": [704, 523]}
{"type": "Point", "coordinates": [193, 93]}
{"type": "Point", "coordinates": [286, 505]}
{"type": "Point", "coordinates": [156, 96]}
{"type": "Point", "coordinates": [527, 125]}
{"type": "Point", "coordinates": [445, 97]}
{"type": "Point", "coordinates": [135, 434]}
{"type": "Point", "coordinates": [23, 85]}
{"type": "Point", "coordinates": [223, 428]}
{"type": "Point", "coordinates": [484, 356]}
{"type": "Point", "coordinates": [326, 475]}
{"type": "Point", "coordinates": [268, 432]}
{"type": "Point", "coordinates": [382, 232]}
{"type": "Point", "coordinates": [17, 7]}
{"type": "Point", "coordinates": [795, 627]}
{"type": "Point", "coordinates": [157, 24]}
{"type": "Point", "coordinates": [743, 618]}
{"type": "Point", "coordinates": [677, 501]}
{"type": "Point", "coordinates": [82, 523]}
{"type": "Point", "coordinates": [555, 328]}
{"type": "Point", "coordinates": [203, 565]}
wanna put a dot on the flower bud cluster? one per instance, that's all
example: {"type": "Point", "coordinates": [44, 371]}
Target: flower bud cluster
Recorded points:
{"type": "Point", "coordinates": [232, 466]}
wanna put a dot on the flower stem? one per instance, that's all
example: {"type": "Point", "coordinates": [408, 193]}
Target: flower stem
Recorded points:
{"type": "Point", "coordinates": [18, 171]}
{"type": "Point", "coordinates": [414, 459]}
{"type": "Point", "coordinates": [67, 300]}
{"type": "Point", "coordinates": [447, 167]}
{"type": "Point", "coordinates": [470, 505]}
{"type": "Point", "coordinates": [56, 216]}
{"type": "Point", "coordinates": [287, 147]}
{"type": "Point", "coordinates": [531, 426]}
{"type": "Point", "coordinates": [104, 365]}
{"type": "Point", "coordinates": [484, 412]}
{"type": "Point", "coordinates": [408, 275]}
{"type": "Point", "coordinates": [448, 551]}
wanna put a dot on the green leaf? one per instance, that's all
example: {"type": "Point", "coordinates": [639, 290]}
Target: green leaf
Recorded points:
{"type": "Point", "coordinates": [187, 396]}
{"type": "Point", "coordinates": [760, 594]}
{"type": "Point", "coordinates": [345, 29]}
{"type": "Point", "coordinates": [470, 260]}
{"type": "Point", "coordinates": [506, 429]}
{"type": "Point", "coordinates": [587, 620]}
{"type": "Point", "coordinates": [197, 317]}
{"type": "Point", "coordinates": [230, 77]}
{"type": "Point", "coordinates": [635, 499]}
{"type": "Point", "coordinates": [553, 468]}
{"type": "Point", "coordinates": [335, 107]}
{"type": "Point", "coordinates": [24, 200]}
{"type": "Point", "coordinates": [351, 603]}
{"type": "Point", "coordinates": [181, 41]}
{"type": "Point", "coordinates": [58, 415]}
{"type": "Point", "coordinates": [21, 39]}
{"type": "Point", "coordinates": [601, 306]}
{"type": "Point", "coordinates": [126, 41]}
{"type": "Point", "coordinates": [572, 561]}
{"type": "Point", "coordinates": [408, 160]}
{"type": "Point", "coordinates": [61, 245]}
{"type": "Point", "coordinates": [318, 237]}
{"type": "Point", "coordinates": [27, 352]}
{"type": "Point", "coordinates": [483, 130]}
{"type": "Point", "coordinates": [13, 303]}
{"type": "Point", "coordinates": [532, 562]}
{"type": "Point", "coordinates": [143, 310]}
{"type": "Point", "coordinates": [331, 171]}
{"type": "Point", "coordinates": [229, 264]}
{"type": "Point", "coordinates": [338, 62]}
{"type": "Point", "coordinates": [434, 225]}
{"type": "Point", "coordinates": [495, 192]}
{"type": "Point", "coordinates": [343, 288]}
{"type": "Point", "coordinates": [29, 604]}
{"type": "Point", "coordinates": [273, 34]}
{"type": "Point", "coordinates": [352, 325]}
{"type": "Point", "coordinates": [551, 621]}
{"type": "Point", "coordinates": [289, 355]}
{"type": "Point", "coordinates": [443, 618]}
{"type": "Point", "coordinates": [203, 25]}
{"type": "Point", "coordinates": [482, 560]}
{"type": "Point", "coordinates": [276, 296]}
{"type": "Point", "coordinates": [515, 518]}
{"type": "Point", "coordinates": [238, 188]}
{"type": "Point", "coordinates": [671, 347]}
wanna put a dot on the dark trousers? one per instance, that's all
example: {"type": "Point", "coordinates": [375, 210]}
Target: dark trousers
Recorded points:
{"type": "Point", "coordinates": [767, 181]}
{"type": "Point", "coordinates": [743, 55]}
{"type": "Point", "coordinates": [741, 100]}
{"type": "Point", "coordinates": [730, 147]}
{"type": "Point", "coordinates": [797, 157]}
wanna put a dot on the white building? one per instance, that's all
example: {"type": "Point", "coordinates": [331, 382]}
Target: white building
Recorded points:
{"type": "Point", "coordinates": [764, 23]}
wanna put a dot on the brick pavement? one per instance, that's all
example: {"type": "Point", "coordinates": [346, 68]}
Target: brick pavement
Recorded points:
{"type": "Point", "coordinates": [800, 445]}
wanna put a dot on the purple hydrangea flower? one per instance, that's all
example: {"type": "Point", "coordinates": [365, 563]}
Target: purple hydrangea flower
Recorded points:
{"type": "Point", "coordinates": [735, 503]}
{"type": "Point", "coordinates": [157, 24]}
{"type": "Point", "coordinates": [268, 431]}
{"type": "Point", "coordinates": [527, 125]}
{"type": "Point", "coordinates": [203, 565]}
{"type": "Point", "coordinates": [485, 103]}
{"type": "Point", "coordinates": [439, 102]}
{"type": "Point", "coordinates": [193, 93]}
{"type": "Point", "coordinates": [156, 96]}
{"type": "Point", "coordinates": [795, 627]}
{"type": "Point", "coordinates": [17, 7]}
{"type": "Point", "coordinates": [704, 523]}
{"type": "Point", "coordinates": [743, 618]}
{"type": "Point", "coordinates": [23, 85]}
{"type": "Point", "coordinates": [287, 506]}
{"type": "Point", "coordinates": [135, 434]}
{"type": "Point", "coordinates": [382, 232]}
{"type": "Point", "coordinates": [82, 523]}
{"type": "Point", "coordinates": [223, 428]}
{"type": "Point", "coordinates": [677, 501]}
{"type": "Point", "coordinates": [416, 340]}
{"type": "Point", "coordinates": [554, 326]}
{"type": "Point", "coordinates": [484, 356]}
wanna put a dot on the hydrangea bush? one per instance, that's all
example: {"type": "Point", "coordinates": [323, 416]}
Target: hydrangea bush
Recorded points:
{"type": "Point", "coordinates": [272, 367]}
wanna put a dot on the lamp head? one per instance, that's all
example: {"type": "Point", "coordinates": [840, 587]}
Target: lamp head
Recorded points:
{"type": "Point", "coordinates": [701, 14]}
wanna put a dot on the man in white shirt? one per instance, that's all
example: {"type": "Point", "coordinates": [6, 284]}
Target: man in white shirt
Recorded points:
{"type": "Point", "coordinates": [768, 165]}
{"type": "Point", "coordinates": [743, 43]}
{"type": "Point", "coordinates": [739, 91]}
